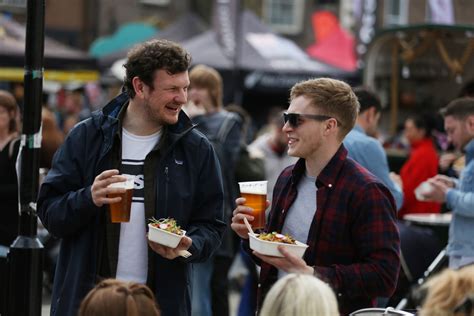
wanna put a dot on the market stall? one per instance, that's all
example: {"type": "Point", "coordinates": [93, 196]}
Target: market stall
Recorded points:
{"type": "Point", "coordinates": [61, 63]}
{"type": "Point", "coordinates": [418, 68]}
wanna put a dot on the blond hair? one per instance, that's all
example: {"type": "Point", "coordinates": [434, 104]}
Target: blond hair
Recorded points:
{"type": "Point", "coordinates": [331, 97]}
{"type": "Point", "coordinates": [205, 77]}
{"type": "Point", "coordinates": [448, 290]}
{"type": "Point", "coordinates": [300, 294]}
{"type": "Point", "coordinates": [118, 298]}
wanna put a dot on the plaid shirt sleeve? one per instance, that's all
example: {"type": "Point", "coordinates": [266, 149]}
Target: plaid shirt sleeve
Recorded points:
{"type": "Point", "coordinates": [375, 237]}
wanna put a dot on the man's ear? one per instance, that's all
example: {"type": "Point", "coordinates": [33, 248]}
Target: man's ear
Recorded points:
{"type": "Point", "coordinates": [138, 86]}
{"type": "Point", "coordinates": [470, 124]}
{"type": "Point", "coordinates": [330, 125]}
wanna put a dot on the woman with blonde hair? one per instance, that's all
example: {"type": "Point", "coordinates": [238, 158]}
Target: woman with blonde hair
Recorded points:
{"type": "Point", "coordinates": [118, 298]}
{"type": "Point", "coordinates": [450, 293]}
{"type": "Point", "coordinates": [300, 294]}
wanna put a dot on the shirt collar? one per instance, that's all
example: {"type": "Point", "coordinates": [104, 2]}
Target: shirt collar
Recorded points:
{"type": "Point", "coordinates": [469, 149]}
{"type": "Point", "coordinates": [359, 128]}
{"type": "Point", "coordinates": [328, 176]}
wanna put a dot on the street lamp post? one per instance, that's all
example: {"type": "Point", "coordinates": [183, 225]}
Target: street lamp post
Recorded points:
{"type": "Point", "coordinates": [25, 259]}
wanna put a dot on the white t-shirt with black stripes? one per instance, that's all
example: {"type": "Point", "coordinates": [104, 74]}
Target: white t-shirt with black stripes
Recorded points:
{"type": "Point", "coordinates": [133, 255]}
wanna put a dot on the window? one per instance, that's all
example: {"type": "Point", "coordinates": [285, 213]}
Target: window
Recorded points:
{"type": "Point", "coordinates": [155, 2]}
{"type": "Point", "coordinates": [395, 12]}
{"type": "Point", "coordinates": [5, 4]}
{"type": "Point", "coordinates": [284, 16]}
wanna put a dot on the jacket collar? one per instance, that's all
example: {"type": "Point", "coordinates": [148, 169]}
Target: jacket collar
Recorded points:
{"type": "Point", "coordinates": [359, 128]}
{"type": "Point", "coordinates": [469, 149]}
{"type": "Point", "coordinates": [327, 176]}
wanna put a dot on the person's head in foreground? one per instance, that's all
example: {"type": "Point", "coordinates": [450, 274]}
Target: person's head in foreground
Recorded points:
{"type": "Point", "coordinates": [300, 294]}
{"type": "Point", "coordinates": [450, 293]}
{"type": "Point", "coordinates": [118, 298]}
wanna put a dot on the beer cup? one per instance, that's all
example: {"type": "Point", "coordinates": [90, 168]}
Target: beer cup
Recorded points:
{"type": "Point", "coordinates": [120, 211]}
{"type": "Point", "coordinates": [255, 194]}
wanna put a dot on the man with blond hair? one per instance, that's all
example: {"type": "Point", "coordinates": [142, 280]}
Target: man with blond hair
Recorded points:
{"type": "Point", "coordinates": [327, 200]}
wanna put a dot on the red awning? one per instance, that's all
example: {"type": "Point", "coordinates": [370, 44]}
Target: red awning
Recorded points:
{"type": "Point", "coordinates": [334, 45]}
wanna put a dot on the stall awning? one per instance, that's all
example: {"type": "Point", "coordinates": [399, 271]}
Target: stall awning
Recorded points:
{"type": "Point", "coordinates": [17, 74]}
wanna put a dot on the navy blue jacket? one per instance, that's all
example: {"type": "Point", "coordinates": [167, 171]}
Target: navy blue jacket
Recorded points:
{"type": "Point", "coordinates": [184, 182]}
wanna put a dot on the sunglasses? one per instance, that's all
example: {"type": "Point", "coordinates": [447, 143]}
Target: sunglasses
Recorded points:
{"type": "Point", "coordinates": [294, 119]}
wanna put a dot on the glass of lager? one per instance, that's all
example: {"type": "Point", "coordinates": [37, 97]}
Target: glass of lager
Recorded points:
{"type": "Point", "coordinates": [120, 211]}
{"type": "Point", "coordinates": [255, 194]}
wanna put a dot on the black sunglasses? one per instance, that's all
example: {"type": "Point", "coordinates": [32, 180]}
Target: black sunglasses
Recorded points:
{"type": "Point", "coordinates": [294, 119]}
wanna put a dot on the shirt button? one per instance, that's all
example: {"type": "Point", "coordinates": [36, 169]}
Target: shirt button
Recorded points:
{"type": "Point", "coordinates": [283, 211]}
{"type": "Point", "coordinates": [259, 285]}
{"type": "Point", "coordinates": [330, 185]}
{"type": "Point", "coordinates": [339, 294]}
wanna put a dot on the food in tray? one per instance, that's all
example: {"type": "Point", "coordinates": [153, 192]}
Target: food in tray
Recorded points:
{"type": "Point", "coordinates": [167, 224]}
{"type": "Point", "coordinates": [276, 237]}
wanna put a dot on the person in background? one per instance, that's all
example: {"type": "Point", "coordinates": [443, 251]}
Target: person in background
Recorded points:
{"type": "Point", "coordinates": [273, 146]}
{"type": "Point", "coordinates": [449, 293]}
{"type": "Point", "coordinates": [364, 148]}
{"type": "Point", "coordinates": [270, 148]}
{"type": "Point", "coordinates": [421, 165]}
{"type": "Point", "coordinates": [300, 294]}
{"type": "Point", "coordinates": [210, 292]}
{"type": "Point", "coordinates": [76, 107]}
{"type": "Point", "coordinates": [458, 194]}
{"type": "Point", "coordinates": [52, 137]}
{"type": "Point", "coordinates": [330, 202]}
{"type": "Point", "coordinates": [118, 298]}
{"type": "Point", "coordinates": [142, 133]}
{"type": "Point", "coordinates": [9, 147]}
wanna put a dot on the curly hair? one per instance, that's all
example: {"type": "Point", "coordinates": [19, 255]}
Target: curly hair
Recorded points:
{"type": "Point", "coordinates": [144, 59]}
{"type": "Point", "coordinates": [118, 298]}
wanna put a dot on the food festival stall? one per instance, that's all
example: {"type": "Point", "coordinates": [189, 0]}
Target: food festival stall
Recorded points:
{"type": "Point", "coordinates": [61, 63]}
{"type": "Point", "coordinates": [415, 69]}
{"type": "Point", "coordinates": [419, 67]}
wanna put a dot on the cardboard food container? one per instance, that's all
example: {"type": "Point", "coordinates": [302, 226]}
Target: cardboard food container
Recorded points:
{"type": "Point", "coordinates": [163, 237]}
{"type": "Point", "coordinates": [270, 248]}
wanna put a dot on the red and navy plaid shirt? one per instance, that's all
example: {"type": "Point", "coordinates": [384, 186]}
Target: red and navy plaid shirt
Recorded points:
{"type": "Point", "coordinates": [353, 240]}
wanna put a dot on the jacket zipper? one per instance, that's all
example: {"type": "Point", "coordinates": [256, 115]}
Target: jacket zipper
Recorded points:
{"type": "Point", "coordinates": [166, 191]}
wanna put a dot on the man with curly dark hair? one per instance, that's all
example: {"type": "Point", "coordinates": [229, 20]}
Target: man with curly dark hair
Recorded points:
{"type": "Point", "coordinates": [142, 133]}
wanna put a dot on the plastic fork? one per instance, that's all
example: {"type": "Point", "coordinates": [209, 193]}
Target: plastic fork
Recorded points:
{"type": "Point", "coordinates": [246, 222]}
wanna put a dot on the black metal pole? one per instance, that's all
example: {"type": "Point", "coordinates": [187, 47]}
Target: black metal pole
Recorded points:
{"type": "Point", "coordinates": [25, 259]}
{"type": "Point", "coordinates": [239, 41]}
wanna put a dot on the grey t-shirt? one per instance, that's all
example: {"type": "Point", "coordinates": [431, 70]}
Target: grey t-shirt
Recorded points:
{"type": "Point", "coordinates": [301, 213]}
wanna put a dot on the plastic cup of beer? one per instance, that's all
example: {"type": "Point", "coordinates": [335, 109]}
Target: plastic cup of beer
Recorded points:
{"type": "Point", "coordinates": [120, 211]}
{"type": "Point", "coordinates": [255, 194]}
